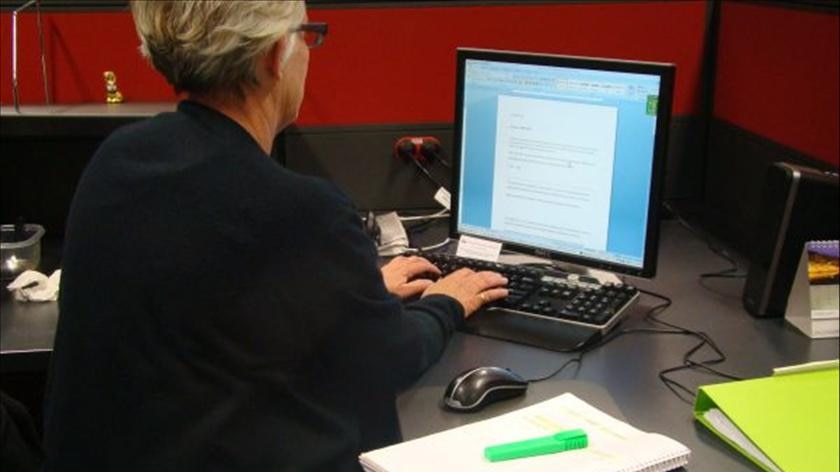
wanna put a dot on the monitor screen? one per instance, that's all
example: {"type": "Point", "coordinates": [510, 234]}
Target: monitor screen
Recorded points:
{"type": "Point", "coordinates": [562, 157]}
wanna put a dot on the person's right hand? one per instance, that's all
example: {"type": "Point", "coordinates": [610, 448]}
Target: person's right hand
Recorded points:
{"type": "Point", "coordinates": [472, 289]}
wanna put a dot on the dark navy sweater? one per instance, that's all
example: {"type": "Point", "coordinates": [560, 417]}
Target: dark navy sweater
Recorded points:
{"type": "Point", "coordinates": [218, 312]}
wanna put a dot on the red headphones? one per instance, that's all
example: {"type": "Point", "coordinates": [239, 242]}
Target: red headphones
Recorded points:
{"type": "Point", "coordinates": [423, 149]}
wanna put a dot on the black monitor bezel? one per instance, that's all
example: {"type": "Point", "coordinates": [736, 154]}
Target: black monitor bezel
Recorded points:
{"type": "Point", "coordinates": [666, 74]}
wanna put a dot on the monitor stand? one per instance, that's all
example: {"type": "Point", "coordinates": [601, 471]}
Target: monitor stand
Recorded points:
{"type": "Point", "coordinates": [574, 269]}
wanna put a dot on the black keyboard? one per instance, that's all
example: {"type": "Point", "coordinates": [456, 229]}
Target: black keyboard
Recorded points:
{"type": "Point", "coordinates": [541, 301]}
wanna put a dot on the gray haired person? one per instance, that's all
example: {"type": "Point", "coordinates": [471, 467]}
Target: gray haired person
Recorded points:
{"type": "Point", "coordinates": [220, 312]}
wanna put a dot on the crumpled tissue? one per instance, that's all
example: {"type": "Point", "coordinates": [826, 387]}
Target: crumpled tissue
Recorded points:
{"type": "Point", "coordinates": [33, 286]}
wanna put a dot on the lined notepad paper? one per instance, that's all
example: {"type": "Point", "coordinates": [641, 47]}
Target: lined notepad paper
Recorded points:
{"type": "Point", "coordinates": [614, 446]}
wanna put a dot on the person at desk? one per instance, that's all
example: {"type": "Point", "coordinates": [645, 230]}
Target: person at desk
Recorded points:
{"type": "Point", "coordinates": [219, 312]}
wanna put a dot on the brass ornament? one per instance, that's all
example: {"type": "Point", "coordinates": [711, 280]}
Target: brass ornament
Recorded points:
{"type": "Point", "coordinates": [112, 94]}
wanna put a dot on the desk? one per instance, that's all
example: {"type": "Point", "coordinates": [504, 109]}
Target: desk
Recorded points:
{"type": "Point", "coordinates": [27, 329]}
{"type": "Point", "coordinates": [626, 368]}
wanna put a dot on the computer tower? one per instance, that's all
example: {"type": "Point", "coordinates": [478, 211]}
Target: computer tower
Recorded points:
{"type": "Point", "coordinates": [799, 204]}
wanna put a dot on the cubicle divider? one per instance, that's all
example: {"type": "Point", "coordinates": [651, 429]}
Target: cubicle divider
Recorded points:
{"type": "Point", "coordinates": [775, 99]}
{"type": "Point", "coordinates": [386, 70]}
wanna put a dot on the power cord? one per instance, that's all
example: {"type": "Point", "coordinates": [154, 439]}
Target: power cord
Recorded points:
{"type": "Point", "coordinates": [728, 273]}
{"type": "Point", "coordinates": [426, 173]}
{"type": "Point", "coordinates": [432, 216]}
{"type": "Point", "coordinates": [688, 362]}
{"type": "Point", "coordinates": [598, 342]}
{"type": "Point", "coordinates": [421, 223]}
{"type": "Point", "coordinates": [432, 247]}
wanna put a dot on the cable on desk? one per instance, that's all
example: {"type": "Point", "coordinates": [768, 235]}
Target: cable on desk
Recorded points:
{"type": "Point", "coordinates": [728, 273]}
{"type": "Point", "coordinates": [583, 349]}
{"type": "Point", "coordinates": [688, 362]}
{"type": "Point", "coordinates": [432, 216]}
{"type": "Point", "coordinates": [417, 228]}
{"type": "Point", "coordinates": [431, 247]}
{"type": "Point", "coordinates": [439, 245]}
{"type": "Point", "coordinates": [423, 221]}
{"type": "Point", "coordinates": [577, 359]}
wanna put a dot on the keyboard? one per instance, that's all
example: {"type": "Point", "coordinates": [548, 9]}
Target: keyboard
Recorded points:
{"type": "Point", "coordinates": [545, 307]}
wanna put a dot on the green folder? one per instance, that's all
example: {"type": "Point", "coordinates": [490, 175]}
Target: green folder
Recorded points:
{"type": "Point", "coordinates": [790, 417]}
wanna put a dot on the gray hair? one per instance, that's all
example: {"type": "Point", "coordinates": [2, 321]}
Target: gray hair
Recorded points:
{"type": "Point", "coordinates": [210, 46]}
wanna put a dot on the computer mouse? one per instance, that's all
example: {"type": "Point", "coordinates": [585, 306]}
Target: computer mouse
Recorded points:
{"type": "Point", "coordinates": [476, 388]}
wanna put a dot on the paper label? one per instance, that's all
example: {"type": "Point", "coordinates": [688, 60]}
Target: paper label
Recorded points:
{"type": "Point", "coordinates": [443, 197]}
{"type": "Point", "coordinates": [477, 248]}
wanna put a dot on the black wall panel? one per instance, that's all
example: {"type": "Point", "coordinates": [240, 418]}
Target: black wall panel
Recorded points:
{"type": "Point", "coordinates": [735, 173]}
{"type": "Point", "coordinates": [360, 161]}
{"type": "Point", "coordinates": [42, 160]}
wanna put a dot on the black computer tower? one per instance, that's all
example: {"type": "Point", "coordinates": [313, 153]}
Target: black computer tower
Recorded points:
{"type": "Point", "coordinates": [799, 205]}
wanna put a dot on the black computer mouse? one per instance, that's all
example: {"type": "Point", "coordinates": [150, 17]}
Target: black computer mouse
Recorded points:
{"type": "Point", "coordinates": [476, 388]}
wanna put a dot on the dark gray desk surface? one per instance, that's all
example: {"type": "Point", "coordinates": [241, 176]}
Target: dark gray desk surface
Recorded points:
{"type": "Point", "coordinates": [627, 367]}
{"type": "Point", "coordinates": [620, 377]}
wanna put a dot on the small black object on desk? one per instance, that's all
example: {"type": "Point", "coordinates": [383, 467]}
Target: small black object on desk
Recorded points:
{"type": "Point", "coordinates": [475, 388]}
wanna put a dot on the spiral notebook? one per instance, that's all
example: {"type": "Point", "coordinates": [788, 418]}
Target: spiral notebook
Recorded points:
{"type": "Point", "coordinates": [613, 445]}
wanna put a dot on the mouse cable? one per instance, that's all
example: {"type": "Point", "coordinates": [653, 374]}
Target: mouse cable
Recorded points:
{"type": "Point", "coordinates": [728, 273]}
{"type": "Point", "coordinates": [600, 341]}
{"type": "Point", "coordinates": [688, 362]}
{"type": "Point", "coordinates": [682, 392]}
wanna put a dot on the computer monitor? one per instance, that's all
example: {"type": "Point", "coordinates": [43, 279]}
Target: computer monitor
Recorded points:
{"type": "Point", "coordinates": [562, 157]}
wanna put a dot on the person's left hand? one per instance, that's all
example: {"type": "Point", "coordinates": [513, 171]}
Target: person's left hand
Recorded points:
{"type": "Point", "coordinates": [400, 275]}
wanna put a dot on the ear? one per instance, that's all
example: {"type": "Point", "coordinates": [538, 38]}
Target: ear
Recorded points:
{"type": "Point", "coordinates": [274, 58]}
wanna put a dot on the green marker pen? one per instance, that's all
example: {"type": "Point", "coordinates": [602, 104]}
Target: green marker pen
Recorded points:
{"type": "Point", "coordinates": [559, 442]}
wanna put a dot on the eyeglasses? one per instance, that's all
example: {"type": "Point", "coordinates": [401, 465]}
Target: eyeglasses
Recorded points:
{"type": "Point", "coordinates": [313, 33]}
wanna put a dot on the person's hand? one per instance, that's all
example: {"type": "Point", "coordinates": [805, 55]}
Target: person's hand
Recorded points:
{"type": "Point", "coordinates": [472, 289]}
{"type": "Point", "coordinates": [400, 275]}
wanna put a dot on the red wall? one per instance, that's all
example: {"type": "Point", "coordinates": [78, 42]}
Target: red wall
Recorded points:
{"type": "Point", "coordinates": [777, 75]}
{"type": "Point", "coordinates": [379, 65]}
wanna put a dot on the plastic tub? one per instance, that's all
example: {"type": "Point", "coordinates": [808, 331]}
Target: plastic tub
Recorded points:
{"type": "Point", "coordinates": [19, 250]}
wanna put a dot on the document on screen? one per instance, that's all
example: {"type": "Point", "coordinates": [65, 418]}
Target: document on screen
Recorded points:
{"type": "Point", "coordinates": [554, 169]}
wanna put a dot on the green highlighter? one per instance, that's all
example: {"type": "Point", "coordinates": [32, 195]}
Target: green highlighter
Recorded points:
{"type": "Point", "coordinates": [559, 442]}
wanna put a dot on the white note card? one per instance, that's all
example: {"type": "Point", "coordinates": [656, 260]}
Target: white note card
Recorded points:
{"type": "Point", "coordinates": [443, 197]}
{"type": "Point", "coordinates": [477, 248]}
